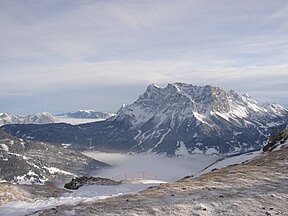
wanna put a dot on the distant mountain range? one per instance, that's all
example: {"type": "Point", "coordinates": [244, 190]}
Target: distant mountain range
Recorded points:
{"type": "Point", "coordinates": [175, 120]}
{"type": "Point", "coordinates": [48, 118]}
{"type": "Point", "coordinates": [89, 114]}
{"type": "Point", "coordinates": [38, 162]}
{"type": "Point", "coordinates": [38, 118]}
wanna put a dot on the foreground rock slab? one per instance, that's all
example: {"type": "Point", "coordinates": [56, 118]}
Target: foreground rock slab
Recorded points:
{"type": "Point", "coordinates": [78, 182]}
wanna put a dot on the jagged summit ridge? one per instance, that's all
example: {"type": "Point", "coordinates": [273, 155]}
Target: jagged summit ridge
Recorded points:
{"type": "Point", "coordinates": [198, 101]}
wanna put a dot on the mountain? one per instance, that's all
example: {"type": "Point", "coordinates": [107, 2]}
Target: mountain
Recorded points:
{"type": "Point", "coordinates": [38, 162]}
{"type": "Point", "coordinates": [38, 118]}
{"type": "Point", "coordinates": [90, 114]}
{"type": "Point", "coordinates": [175, 120]}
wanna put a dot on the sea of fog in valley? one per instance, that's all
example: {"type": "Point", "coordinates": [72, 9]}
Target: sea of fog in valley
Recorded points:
{"type": "Point", "coordinates": [167, 169]}
{"type": "Point", "coordinates": [150, 166]}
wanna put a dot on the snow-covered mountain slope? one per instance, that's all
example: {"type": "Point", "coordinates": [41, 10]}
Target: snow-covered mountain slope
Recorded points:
{"type": "Point", "coordinates": [175, 120]}
{"type": "Point", "coordinates": [38, 162]}
{"type": "Point", "coordinates": [256, 187]}
{"type": "Point", "coordinates": [37, 118]}
{"type": "Point", "coordinates": [88, 114]}
{"type": "Point", "coordinates": [199, 119]}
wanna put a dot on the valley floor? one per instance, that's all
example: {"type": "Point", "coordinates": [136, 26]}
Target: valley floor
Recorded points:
{"type": "Point", "coordinates": [257, 187]}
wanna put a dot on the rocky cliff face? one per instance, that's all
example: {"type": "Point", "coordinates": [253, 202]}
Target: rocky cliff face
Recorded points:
{"type": "Point", "coordinates": [175, 120]}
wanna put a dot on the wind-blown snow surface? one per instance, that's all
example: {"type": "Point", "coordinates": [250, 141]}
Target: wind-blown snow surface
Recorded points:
{"type": "Point", "coordinates": [152, 166]}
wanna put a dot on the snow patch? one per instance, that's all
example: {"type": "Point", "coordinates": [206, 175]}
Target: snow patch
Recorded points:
{"type": "Point", "coordinates": [181, 150]}
{"type": "Point", "coordinates": [200, 117]}
{"type": "Point", "coordinates": [5, 147]}
{"type": "Point", "coordinates": [54, 170]}
{"type": "Point", "coordinates": [64, 145]}
{"type": "Point", "coordinates": [162, 138]}
{"type": "Point", "coordinates": [211, 151]}
{"type": "Point", "coordinates": [29, 178]}
{"type": "Point", "coordinates": [197, 151]}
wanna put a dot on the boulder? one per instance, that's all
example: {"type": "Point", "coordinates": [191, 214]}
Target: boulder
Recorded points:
{"type": "Point", "coordinates": [78, 182]}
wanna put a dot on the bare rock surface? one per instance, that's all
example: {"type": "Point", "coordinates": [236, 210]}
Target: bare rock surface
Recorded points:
{"type": "Point", "coordinates": [78, 182]}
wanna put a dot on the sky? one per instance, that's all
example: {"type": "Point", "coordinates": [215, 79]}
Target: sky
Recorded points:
{"type": "Point", "coordinates": [66, 55]}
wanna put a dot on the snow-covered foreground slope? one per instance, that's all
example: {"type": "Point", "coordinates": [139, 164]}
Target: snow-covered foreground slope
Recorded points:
{"type": "Point", "coordinates": [257, 187]}
{"type": "Point", "coordinates": [84, 194]}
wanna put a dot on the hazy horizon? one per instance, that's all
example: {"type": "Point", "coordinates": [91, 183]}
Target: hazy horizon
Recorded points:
{"type": "Point", "coordinates": [74, 109]}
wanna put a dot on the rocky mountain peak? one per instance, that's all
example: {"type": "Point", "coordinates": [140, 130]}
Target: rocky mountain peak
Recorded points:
{"type": "Point", "coordinates": [181, 106]}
